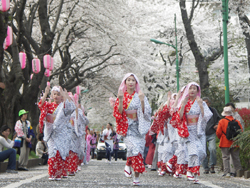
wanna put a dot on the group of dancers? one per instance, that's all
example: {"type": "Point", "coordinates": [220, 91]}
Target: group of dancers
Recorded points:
{"type": "Point", "coordinates": [180, 124]}
{"type": "Point", "coordinates": [63, 124]}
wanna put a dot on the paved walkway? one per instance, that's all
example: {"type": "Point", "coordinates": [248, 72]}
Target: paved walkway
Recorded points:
{"type": "Point", "coordinates": [102, 174]}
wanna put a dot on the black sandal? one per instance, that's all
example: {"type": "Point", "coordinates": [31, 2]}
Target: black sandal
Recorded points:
{"type": "Point", "coordinates": [206, 172]}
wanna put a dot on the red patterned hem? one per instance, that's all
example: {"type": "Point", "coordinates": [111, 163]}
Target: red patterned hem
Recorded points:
{"type": "Point", "coordinates": [55, 165]}
{"type": "Point", "coordinates": [194, 170]}
{"type": "Point", "coordinates": [136, 162]}
{"type": "Point", "coordinates": [181, 169]}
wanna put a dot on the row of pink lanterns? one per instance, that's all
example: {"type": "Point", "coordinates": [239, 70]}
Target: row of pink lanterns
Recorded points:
{"type": "Point", "coordinates": [36, 64]}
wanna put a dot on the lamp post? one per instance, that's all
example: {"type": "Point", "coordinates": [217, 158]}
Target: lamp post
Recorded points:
{"type": "Point", "coordinates": [176, 51]}
{"type": "Point", "coordinates": [225, 48]}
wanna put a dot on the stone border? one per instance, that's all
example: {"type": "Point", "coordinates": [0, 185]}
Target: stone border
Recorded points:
{"type": "Point", "coordinates": [31, 163]}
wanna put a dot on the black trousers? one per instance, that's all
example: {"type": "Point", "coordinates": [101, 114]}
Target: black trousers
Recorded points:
{"type": "Point", "coordinates": [45, 157]}
{"type": "Point", "coordinates": [92, 151]}
{"type": "Point", "coordinates": [115, 154]}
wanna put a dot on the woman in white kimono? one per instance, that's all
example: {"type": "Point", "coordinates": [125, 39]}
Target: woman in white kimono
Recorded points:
{"type": "Point", "coordinates": [170, 142]}
{"type": "Point", "coordinates": [178, 164]}
{"type": "Point", "coordinates": [78, 121]}
{"type": "Point", "coordinates": [82, 123]}
{"type": "Point", "coordinates": [133, 117]}
{"type": "Point", "coordinates": [162, 140]}
{"type": "Point", "coordinates": [57, 130]}
{"type": "Point", "coordinates": [192, 119]}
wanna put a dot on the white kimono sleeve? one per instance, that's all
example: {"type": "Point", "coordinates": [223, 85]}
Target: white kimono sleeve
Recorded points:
{"type": "Point", "coordinates": [144, 118]}
{"type": "Point", "coordinates": [202, 121]}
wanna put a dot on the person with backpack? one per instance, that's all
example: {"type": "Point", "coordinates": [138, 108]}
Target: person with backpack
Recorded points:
{"type": "Point", "coordinates": [229, 128]}
{"type": "Point", "coordinates": [211, 127]}
{"type": "Point", "coordinates": [237, 116]}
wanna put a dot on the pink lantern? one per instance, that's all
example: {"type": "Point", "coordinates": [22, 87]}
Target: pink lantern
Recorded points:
{"type": "Point", "coordinates": [78, 90]}
{"type": "Point", "coordinates": [22, 59]}
{"type": "Point", "coordinates": [36, 65]}
{"type": "Point", "coordinates": [47, 73]}
{"type": "Point", "coordinates": [9, 38]}
{"type": "Point", "coordinates": [31, 76]}
{"type": "Point", "coordinates": [76, 98]}
{"type": "Point", "coordinates": [51, 66]}
{"type": "Point", "coordinates": [48, 62]}
{"type": "Point", "coordinates": [4, 5]}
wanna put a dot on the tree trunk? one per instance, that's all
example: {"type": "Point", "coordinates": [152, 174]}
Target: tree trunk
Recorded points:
{"type": "Point", "coordinates": [3, 32]}
{"type": "Point", "coordinates": [243, 21]}
{"type": "Point", "coordinates": [11, 93]}
{"type": "Point", "coordinates": [200, 62]}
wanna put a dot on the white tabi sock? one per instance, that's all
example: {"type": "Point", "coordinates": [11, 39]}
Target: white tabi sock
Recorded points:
{"type": "Point", "coordinates": [136, 179]}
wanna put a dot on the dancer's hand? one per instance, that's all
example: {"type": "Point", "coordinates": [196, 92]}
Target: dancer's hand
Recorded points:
{"type": "Point", "coordinates": [120, 94]}
{"type": "Point", "coordinates": [169, 95]}
{"type": "Point", "coordinates": [64, 94]}
{"type": "Point", "coordinates": [141, 95]}
{"type": "Point", "coordinates": [199, 101]}
{"type": "Point", "coordinates": [178, 95]}
{"type": "Point", "coordinates": [47, 90]}
{"type": "Point", "coordinates": [184, 102]}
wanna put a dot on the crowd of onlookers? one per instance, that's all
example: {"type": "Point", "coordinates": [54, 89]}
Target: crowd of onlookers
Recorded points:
{"type": "Point", "coordinates": [216, 127]}
{"type": "Point", "coordinates": [20, 144]}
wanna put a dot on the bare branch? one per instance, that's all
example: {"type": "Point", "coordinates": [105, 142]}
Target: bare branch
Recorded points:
{"type": "Point", "coordinates": [194, 6]}
{"type": "Point", "coordinates": [31, 18]}
{"type": "Point", "coordinates": [57, 16]}
{"type": "Point", "coordinates": [102, 62]}
{"type": "Point", "coordinates": [165, 62]}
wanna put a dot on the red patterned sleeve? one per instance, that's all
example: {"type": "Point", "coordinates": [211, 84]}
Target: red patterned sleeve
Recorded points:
{"type": "Point", "coordinates": [173, 120]}
{"type": "Point", "coordinates": [182, 124]}
{"type": "Point", "coordinates": [44, 109]}
{"type": "Point", "coordinates": [121, 120]}
{"type": "Point", "coordinates": [154, 127]}
{"type": "Point", "coordinates": [160, 119]}
{"type": "Point", "coordinates": [163, 115]}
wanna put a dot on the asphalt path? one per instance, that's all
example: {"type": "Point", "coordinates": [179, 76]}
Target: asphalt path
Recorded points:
{"type": "Point", "coordinates": [102, 174]}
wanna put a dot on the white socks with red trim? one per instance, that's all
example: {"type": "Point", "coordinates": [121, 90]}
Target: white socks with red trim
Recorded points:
{"type": "Point", "coordinates": [136, 179]}
{"type": "Point", "coordinates": [127, 171]}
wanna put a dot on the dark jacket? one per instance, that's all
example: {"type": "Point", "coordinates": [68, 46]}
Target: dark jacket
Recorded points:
{"type": "Point", "coordinates": [212, 122]}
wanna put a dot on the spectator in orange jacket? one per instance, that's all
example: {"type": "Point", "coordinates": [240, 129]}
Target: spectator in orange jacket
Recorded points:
{"type": "Point", "coordinates": [225, 144]}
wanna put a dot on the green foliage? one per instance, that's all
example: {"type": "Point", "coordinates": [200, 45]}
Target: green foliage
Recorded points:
{"type": "Point", "coordinates": [33, 155]}
{"type": "Point", "coordinates": [154, 105]}
{"type": "Point", "coordinates": [217, 96]}
{"type": "Point", "coordinates": [243, 141]}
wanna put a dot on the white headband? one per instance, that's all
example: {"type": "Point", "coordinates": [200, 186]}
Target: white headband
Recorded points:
{"type": "Point", "coordinates": [56, 88]}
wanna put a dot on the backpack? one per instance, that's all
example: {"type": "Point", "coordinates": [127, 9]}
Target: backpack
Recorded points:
{"type": "Point", "coordinates": [233, 129]}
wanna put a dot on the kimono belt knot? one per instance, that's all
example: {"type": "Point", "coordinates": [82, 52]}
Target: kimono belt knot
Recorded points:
{"type": "Point", "coordinates": [132, 114]}
{"type": "Point", "coordinates": [192, 119]}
